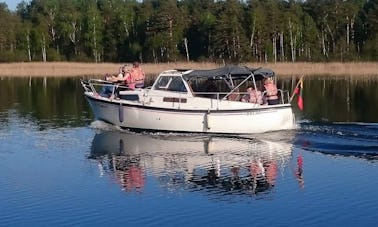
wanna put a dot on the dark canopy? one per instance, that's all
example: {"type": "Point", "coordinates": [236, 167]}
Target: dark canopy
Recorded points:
{"type": "Point", "coordinates": [236, 72]}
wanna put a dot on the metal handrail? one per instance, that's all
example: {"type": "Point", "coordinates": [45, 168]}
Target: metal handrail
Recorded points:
{"type": "Point", "coordinates": [98, 82]}
{"type": "Point", "coordinates": [282, 94]}
{"type": "Point", "coordinates": [90, 86]}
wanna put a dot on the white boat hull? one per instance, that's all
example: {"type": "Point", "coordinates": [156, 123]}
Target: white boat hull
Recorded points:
{"type": "Point", "coordinates": [236, 121]}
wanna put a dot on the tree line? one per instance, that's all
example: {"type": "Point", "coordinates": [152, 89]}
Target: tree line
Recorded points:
{"type": "Point", "coordinates": [190, 30]}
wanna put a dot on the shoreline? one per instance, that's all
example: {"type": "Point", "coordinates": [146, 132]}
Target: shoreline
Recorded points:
{"type": "Point", "coordinates": [285, 69]}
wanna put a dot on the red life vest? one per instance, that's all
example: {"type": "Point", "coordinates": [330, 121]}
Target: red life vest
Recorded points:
{"type": "Point", "coordinates": [255, 97]}
{"type": "Point", "coordinates": [135, 77]}
{"type": "Point", "coordinates": [271, 91]}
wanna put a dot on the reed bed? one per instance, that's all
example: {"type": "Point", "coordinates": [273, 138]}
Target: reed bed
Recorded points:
{"type": "Point", "coordinates": [333, 68]}
{"type": "Point", "coordinates": [70, 69]}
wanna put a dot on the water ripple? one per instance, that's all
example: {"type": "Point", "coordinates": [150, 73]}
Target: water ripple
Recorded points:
{"type": "Point", "coordinates": [344, 139]}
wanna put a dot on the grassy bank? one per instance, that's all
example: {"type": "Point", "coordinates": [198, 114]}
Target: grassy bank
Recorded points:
{"type": "Point", "coordinates": [62, 69]}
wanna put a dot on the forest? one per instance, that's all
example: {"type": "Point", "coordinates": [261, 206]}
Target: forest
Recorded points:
{"type": "Point", "coordinates": [190, 30]}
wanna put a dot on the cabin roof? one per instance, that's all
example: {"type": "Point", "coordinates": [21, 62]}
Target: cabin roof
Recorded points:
{"type": "Point", "coordinates": [236, 72]}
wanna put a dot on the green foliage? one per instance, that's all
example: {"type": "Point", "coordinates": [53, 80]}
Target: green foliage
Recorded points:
{"type": "Point", "coordinates": [229, 38]}
{"type": "Point", "coordinates": [155, 30]}
{"type": "Point", "coordinates": [53, 55]}
{"type": "Point", "coordinates": [9, 23]}
{"type": "Point", "coordinates": [12, 56]}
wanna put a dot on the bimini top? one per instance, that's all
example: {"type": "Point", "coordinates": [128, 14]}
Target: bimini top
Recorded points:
{"type": "Point", "coordinates": [236, 72]}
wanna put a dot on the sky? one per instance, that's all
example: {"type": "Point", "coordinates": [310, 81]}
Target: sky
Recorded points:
{"type": "Point", "coordinates": [12, 4]}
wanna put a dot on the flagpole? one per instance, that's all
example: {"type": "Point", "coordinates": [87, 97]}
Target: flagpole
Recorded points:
{"type": "Point", "coordinates": [296, 86]}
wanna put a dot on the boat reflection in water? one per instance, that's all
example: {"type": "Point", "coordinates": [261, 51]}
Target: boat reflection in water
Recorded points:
{"type": "Point", "coordinates": [192, 162]}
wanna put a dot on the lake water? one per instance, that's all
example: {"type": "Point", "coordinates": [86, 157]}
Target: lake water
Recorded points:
{"type": "Point", "coordinates": [59, 167]}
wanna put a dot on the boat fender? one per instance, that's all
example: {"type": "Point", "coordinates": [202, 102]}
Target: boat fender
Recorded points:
{"type": "Point", "coordinates": [120, 113]}
{"type": "Point", "coordinates": [206, 124]}
{"type": "Point", "coordinates": [208, 119]}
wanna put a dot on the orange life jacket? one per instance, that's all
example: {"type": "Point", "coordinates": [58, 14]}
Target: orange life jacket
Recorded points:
{"type": "Point", "coordinates": [135, 77]}
{"type": "Point", "coordinates": [255, 97]}
{"type": "Point", "coordinates": [271, 91]}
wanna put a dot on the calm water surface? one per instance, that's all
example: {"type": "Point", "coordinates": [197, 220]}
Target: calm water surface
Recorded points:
{"type": "Point", "coordinates": [60, 167]}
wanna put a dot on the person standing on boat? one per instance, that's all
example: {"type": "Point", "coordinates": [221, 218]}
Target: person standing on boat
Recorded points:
{"type": "Point", "coordinates": [271, 92]}
{"type": "Point", "coordinates": [135, 78]}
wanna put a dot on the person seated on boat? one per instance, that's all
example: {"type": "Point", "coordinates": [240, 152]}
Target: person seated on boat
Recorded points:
{"type": "Point", "coordinates": [119, 77]}
{"type": "Point", "coordinates": [107, 90]}
{"type": "Point", "coordinates": [234, 96]}
{"type": "Point", "coordinates": [253, 96]}
{"type": "Point", "coordinates": [135, 78]}
{"type": "Point", "coordinates": [271, 92]}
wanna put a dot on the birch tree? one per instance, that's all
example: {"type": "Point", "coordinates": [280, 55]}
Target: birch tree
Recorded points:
{"type": "Point", "coordinates": [230, 41]}
{"type": "Point", "coordinates": [50, 10]}
{"type": "Point", "coordinates": [258, 30]}
{"type": "Point", "coordinates": [70, 24]}
{"type": "Point", "coordinates": [93, 31]}
{"type": "Point", "coordinates": [201, 24]}
{"type": "Point", "coordinates": [166, 29]}
{"type": "Point", "coordinates": [125, 30]}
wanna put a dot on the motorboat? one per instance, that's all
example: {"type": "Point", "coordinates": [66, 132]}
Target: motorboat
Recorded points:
{"type": "Point", "coordinates": [201, 101]}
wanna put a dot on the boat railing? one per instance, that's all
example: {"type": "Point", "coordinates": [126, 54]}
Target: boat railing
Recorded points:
{"type": "Point", "coordinates": [212, 95]}
{"type": "Point", "coordinates": [102, 87]}
{"type": "Point", "coordinates": [86, 85]}
{"type": "Point", "coordinates": [283, 95]}
{"type": "Point", "coordinates": [108, 89]}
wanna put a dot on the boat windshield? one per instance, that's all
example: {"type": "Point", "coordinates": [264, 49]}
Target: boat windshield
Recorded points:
{"type": "Point", "coordinates": [170, 83]}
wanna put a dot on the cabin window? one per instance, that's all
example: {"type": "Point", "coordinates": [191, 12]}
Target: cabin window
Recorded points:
{"type": "Point", "coordinates": [162, 83]}
{"type": "Point", "coordinates": [130, 97]}
{"type": "Point", "coordinates": [177, 85]}
{"type": "Point", "coordinates": [170, 83]}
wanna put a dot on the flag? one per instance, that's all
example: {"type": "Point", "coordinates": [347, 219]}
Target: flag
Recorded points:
{"type": "Point", "coordinates": [300, 99]}
{"type": "Point", "coordinates": [296, 90]}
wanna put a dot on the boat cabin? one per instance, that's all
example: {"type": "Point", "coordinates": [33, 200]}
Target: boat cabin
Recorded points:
{"type": "Point", "coordinates": [229, 82]}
